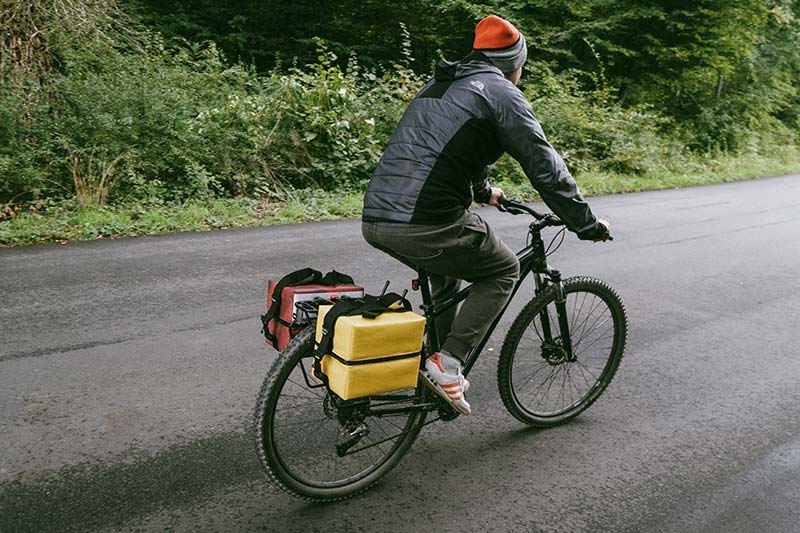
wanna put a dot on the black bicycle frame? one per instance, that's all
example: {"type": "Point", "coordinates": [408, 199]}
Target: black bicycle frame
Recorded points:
{"type": "Point", "coordinates": [532, 259]}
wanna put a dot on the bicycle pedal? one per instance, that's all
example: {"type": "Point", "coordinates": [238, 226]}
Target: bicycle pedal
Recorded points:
{"type": "Point", "coordinates": [445, 409]}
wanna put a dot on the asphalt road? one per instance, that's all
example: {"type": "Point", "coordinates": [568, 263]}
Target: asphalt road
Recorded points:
{"type": "Point", "coordinates": [129, 370]}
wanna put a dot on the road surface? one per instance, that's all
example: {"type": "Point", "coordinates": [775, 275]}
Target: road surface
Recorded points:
{"type": "Point", "coordinates": [129, 370]}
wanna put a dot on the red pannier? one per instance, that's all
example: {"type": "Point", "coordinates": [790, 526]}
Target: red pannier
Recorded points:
{"type": "Point", "coordinates": [281, 320]}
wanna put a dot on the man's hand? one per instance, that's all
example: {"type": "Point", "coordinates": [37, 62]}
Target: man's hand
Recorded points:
{"type": "Point", "coordinates": [497, 193]}
{"type": "Point", "coordinates": [605, 223]}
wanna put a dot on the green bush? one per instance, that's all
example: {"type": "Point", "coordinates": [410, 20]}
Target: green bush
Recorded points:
{"type": "Point", "coordinates": [146, 124]}
{"type": "Point", "coordinates": [24, 153]}
{"type": "Point", "coordinates": [592, 131]}
{"type": "Point", "coordinates": [137, 110]}
{"type": "Point", "coordinates": [180, 123]}
{"type": "Point", "coordinates": [319, 126]}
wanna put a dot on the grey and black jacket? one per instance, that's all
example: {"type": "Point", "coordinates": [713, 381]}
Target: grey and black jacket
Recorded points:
{"type": "Point", "coordinates": [460, 122]}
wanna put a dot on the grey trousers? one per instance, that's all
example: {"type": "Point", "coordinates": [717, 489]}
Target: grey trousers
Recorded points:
{"type": "Point", "coordinates": [466, 249]}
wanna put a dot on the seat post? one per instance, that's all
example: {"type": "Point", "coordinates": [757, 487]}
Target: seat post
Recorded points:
{"type": "Point", "coordinates": [427, 306]}
{"type": "Point", "coordinates": [425, 287]}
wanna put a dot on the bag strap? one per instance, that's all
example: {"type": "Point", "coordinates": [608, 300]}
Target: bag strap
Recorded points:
{"type": "Point", "coordinates": [340, 308]}
{"type": "Point", "coordinates": [298, 277]}
{"type": "Point", "coordinates": [336, 278]}
{"type": "Point", "coordinates": [388, 303]}
{"type": "Point", "coordinates": [368, 307]}
{"type": "Point", "coordinates": [304, 276]}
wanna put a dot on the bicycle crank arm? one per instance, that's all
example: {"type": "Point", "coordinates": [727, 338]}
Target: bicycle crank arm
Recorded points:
{"type": "Point", "coordinates": [389, 411]}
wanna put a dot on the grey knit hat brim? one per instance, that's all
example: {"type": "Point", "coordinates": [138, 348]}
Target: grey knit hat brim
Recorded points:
{"type": "Point", "coordinates": [509, 59]}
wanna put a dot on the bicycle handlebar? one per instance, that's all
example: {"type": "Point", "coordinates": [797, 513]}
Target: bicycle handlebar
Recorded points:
{"type": "Point", "coordinates": [515, 207]}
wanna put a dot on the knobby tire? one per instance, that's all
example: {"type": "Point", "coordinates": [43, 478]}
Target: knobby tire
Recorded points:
{"type": "Point", "coordinates": [524, 327]}
{"type": "Point", "coordinates": [275, 466]}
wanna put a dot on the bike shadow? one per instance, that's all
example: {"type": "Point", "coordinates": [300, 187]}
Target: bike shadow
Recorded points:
{"type": "Point", "coordinates": [469, 455]}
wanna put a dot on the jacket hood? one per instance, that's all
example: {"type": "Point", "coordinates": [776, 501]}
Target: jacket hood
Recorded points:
{"type": "Point", "coordinates": [474, 63]}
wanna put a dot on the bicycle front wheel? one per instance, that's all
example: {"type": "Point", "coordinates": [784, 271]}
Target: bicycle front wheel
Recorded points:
{"type": "Point", "coordinates": [538, 385]}
{"type": "Point", "coordinates": [313, 445]}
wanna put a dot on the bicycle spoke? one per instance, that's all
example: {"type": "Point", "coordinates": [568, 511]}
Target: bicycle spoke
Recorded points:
{"type": "Point", "coordinates": [589, 315]}
{"type": "Point", "coordinates": [586, 348]}
{"type": "Point", "coordinates": [302, 422]}
{"type": "Point", "coordinates": [583, 375]}
{"type": "Point", "coordinates": [573, 387]}
{"type": "Point", "coordinates": [545, 387]}
{"type": "Point", "coordinates": [296, 431]}
{"type": "Point", "coordinates": [335, 461]}
{"type": "Point", "coordinates": [305, 387]}
{"type": "Point", "coordinates": [371, 445]}
{"type": "Point", "coordinates": [568, 385]}
{"type": "Point", "coordinates": [549, 382]}
{"type": "Point", "coordinates": [595, 325]}
{"type": "Point", "coordinates": [575, 315]}
{"type": "Point", "coordinates": [542, 366]}
{"type": "Point", "coordinates": [295, 406]}
{"type": "Point", "coordinates": [301, 397]}
{"type": "Point", "coordinates": [548, 387]}
{"type": "Point", "coordinates": [589, 370]}
{"type": "Point", "coordinates": [393, 424]}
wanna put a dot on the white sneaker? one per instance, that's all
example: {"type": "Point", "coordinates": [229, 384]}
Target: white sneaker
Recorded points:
{"type": "Point", "coordinates": [450, 385]}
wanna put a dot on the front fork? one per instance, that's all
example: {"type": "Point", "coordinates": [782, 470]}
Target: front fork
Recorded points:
{"type": "Point", "coordinates": [554, 277]}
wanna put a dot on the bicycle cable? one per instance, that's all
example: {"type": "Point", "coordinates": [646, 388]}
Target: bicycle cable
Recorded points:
{"type": "Point", "coordinates": [550, 249]}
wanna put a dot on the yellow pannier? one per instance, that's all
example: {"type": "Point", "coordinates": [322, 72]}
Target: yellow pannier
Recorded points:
{"type": "Point", "coordinates": [372, 355]}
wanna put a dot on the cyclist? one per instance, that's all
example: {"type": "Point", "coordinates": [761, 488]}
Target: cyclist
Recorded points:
{"type": "Point", "coordinates": [416, 207]}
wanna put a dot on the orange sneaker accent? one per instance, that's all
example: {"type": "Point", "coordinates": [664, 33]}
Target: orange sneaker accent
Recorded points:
{"type": "Point", "coordinates": [437, 360]}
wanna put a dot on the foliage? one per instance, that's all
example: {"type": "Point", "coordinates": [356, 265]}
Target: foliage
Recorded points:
{"type": "Point", "coordinates": [320, 126]}
{"type": "Point", "coordinates": [115, 103]}
{"type": "Point", "coordinates": [67, 220]}
{"type": "Point", "coordinates": [722, 71]}
{"type": "Point", "coordinates": [179, 122]}
{"type": "Point", "coordinates": [592, 130]}
{"type": "Point", "coordinates": [269, 32]}
{"type": "Point", "coordinates": [33, 31]}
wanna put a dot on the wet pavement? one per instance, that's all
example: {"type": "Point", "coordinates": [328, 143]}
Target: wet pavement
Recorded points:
{"type": "Point", "coordinates": [129, 371]}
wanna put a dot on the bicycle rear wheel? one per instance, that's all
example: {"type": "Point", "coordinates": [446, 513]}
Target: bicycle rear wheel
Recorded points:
{"type": "Point", "coordinates": [317, 447]}
{"type": "Point", "coordinates": [537, 385]}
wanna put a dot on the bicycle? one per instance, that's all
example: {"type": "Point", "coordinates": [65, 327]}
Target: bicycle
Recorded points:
{"type": "Point", "coordinates": [553, 365]}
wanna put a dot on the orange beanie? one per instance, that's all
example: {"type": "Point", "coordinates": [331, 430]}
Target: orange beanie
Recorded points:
{"type": "Point", "coordinates": [501, 43]}
{"type": "Point", "coordinates": [493, 33]}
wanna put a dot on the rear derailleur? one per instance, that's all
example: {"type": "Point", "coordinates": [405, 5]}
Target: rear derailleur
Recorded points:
{"type": "Point", "coordinates": [350, 415]}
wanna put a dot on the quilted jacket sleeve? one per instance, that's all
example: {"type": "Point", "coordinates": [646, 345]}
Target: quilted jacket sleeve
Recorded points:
{"type": "Point", "coordinates": [522, 137]}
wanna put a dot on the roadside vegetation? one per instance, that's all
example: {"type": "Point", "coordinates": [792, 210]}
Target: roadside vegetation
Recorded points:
{"type": "Point", "coordinates": [132, 118]}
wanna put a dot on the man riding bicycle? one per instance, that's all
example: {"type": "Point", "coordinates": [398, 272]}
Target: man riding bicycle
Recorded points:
{"type": "Point", "coordinates": [416, 207]}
